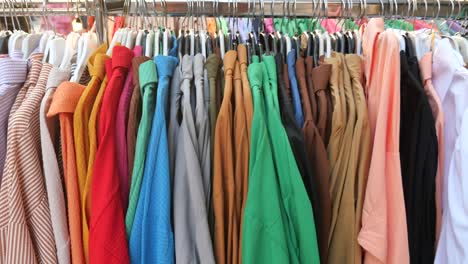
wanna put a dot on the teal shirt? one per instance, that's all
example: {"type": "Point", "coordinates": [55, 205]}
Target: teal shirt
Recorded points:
{"type": "Point", "coordinates": [148, 81]}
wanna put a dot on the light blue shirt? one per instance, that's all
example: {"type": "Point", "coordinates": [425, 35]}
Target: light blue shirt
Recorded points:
{"type": "Point", "coordinates": [296, 97]}
{"type": "Point", "coordinates": [152, 238]}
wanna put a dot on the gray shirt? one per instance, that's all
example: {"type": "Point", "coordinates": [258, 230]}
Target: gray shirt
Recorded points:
{"type": "Point", "coordinates": [202, 125]}
{"type": "Point", "coordinates": [191, 230]}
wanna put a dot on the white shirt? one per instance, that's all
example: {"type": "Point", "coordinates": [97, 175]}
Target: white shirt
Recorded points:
{"type": "Point", "coordinates": [450, 80]}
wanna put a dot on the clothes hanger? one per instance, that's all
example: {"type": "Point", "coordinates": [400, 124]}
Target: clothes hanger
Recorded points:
{"type": "Point", "coordinates": [71, 44]}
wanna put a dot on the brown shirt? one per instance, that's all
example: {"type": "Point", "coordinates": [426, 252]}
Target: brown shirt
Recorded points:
{"type": "Point", "coordinates": [225, 218]}
{"type": "Point", "coordinates": [317, 186]}
{"type": "Point", "coordinates": [308, 76]}
{"type": "Point", "coordinates": [342, 233]}
{"type": "Point", "coordinates": [134, 112]}
{"type": "Point", "coordinates": [360, 148]}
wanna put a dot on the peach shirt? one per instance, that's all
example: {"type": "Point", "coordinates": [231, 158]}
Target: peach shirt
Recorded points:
{"type": "Point", "coordinates": [383, 235]}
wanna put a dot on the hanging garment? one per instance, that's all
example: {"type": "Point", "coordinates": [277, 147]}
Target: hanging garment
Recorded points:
{"type": "Point", "coordinates": [264, 218]}
{"type": "Point", "coordinates": [359, 157]}
{"type": "Point", "coordinates": [297, 206]}
{"type": "Point", "coordinates": [175, 99]}
{"type": "Point", "coordinates": [192, 239]}
{"type": "Point", "coordinates": [341, 246]}
{"type": "Point", "coordinates": [202, 127]}
{"type": "Point", "coordinates": [425, 65]}
{"type": "Point", "coordinates": [81, 128]}
{"type": "Point", "coordinates": [152, 239]}
{"type": "Point", "coordinates": [25, 222]}
{"type": "Point", "coordinates": [296, 98]}
{"type": "Point", "coordinates": [12, 76]}
{"type": "Point", "coordinates": [93, 142]}
{"type": "Point", "coordinates": [318, 183]}
{"type": "Point", "coordinates": [450, 81]}
{"type": "Point", "coordinates": [384, 234]}
{"type": "Point", "coordinates": [134, 112]}
{"type": "Point", "coordinates": [148, 81]}
{"type": "Point", "coordinates": [213, 63]}
{"type": "Point", "coordinates": [63, 105]}
{"type": "Point", "coordinates": [121, 132]}
{"type": "Point", "coordinates": [226, 220]}
{"type": "Point", "coordinates": [107, 215]}
{"type": "Point", "coordinates": [53, 179]}
{"type": "Point", "coordinates": [418, 155]}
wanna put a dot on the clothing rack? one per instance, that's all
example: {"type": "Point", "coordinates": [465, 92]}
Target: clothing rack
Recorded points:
{"type": "Point", "coordinates": [245, 8]}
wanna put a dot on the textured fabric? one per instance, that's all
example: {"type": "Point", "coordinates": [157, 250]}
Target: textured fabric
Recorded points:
{"type": "Point", "coordinates": [85, 76]}
{"type": "Point", "coordinates": [12, 76]}
{"type": "Point", "coordinates": [425, 65]}
{"type": "Point", "coordinates": [53, 179]}
{"type": "Point", "coordinates": [121, 133]}
{"type": "Point", "coordinates": [174, 117]}
{"type": "Point", "coordinates": [359, 157]}
{"type": "Point", "coordinates": [107, 239]}
{"type": "Point", "coordinates": [418, 156]}
{"type": "Point", "coordinates": [152, 239]}
{"type": "Point", "coordinates": [81, 133]}
{"type": "Point", "coordinates": [26, 234]}
{"type": "Point", "coordinates": [296, 97]}
{"type": "Point", "coordinates": [317, 181]}
{"type": "Point", "coordinates": [383, 235]}
{"type": "Point", "coordinates": [134, 112]}
{"type": "Point", "coordinates": [63, 104]}
{"type": "Point", "coordinates": [342, 234]}
{"type": "Point", "coordinates": [224, 183]}
{"type": "Point", "coordinates": [148, 80]}
{"type": "Point", "coordinates": [192, 239]}
{"type": "Point", "coordinates": [450, 80]}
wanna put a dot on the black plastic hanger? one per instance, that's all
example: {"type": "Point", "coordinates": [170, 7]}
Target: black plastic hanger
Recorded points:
{"type": "Point", "coordinates": [209, 45]}
{"type": "Point", "coordinates": [187, 43]}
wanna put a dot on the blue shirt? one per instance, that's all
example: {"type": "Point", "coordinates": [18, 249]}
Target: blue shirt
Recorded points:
{"type": "Point", "coordinates": [152, 238]}
{"type": "Point", "coordinates": [296, 97]}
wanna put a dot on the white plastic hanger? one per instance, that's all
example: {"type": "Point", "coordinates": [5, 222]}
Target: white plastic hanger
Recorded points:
{"type": "Point", "coordinates": [149, 44]}
{"type": "Point", "coordinates": [203, 42]}
{"type": "Point", "coordinates": [56, 51]}
{"type": "Point", "coordinates": [166, 36]}
{"type": "Point", "coordinates": [221, 43]}
{"type": "Point", "coordinates": [157, 35]}
{"type": "Point", "coordinates": [29, 44]}
{"type": "Point", "coordinates": [89, 46]}
{"type": "Point", "coordinates": [139, 38]}
{"type": "Point", "coordinates": [47, 48]}
{"type": "Point", "coordinates": [192, 42]}
{"type": "Point", "coordinates": [44, 39]}
{"type": "Point", "coordinates": [71, 45]}
{"type": "Point", "coordinates": [288, 44]}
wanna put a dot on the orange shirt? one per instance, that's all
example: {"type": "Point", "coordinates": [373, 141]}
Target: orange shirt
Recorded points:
{"type": "Point", "coordinates": [63, 104]}
{"type": "Point", "coordinates": [383, 235]}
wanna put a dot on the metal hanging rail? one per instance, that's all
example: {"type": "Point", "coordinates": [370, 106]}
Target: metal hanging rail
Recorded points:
{"type": "Point", "coordinates": [245, 8]}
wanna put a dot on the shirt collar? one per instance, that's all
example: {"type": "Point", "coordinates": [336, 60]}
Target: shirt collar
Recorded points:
{"type": "Point", "coordinates": [255, 74]}
{"type": "Point", "coordinates": [187, 67]}
{"type": "Point", "coordinates": [147, 74]}
{"type": "Point", "coordinates": [165, 65]}
{"type": "Point", "coordinates": [425, 66]}
{"type": "Point", "coordinates": [96, 62]}
{"type": "Point", "coordinates": [136, 62]}
{"type": "Point", "coordinates": [121, 57]}
{"type": "Point", "coordinates": [65, 98]}
{"type": "Point", "coordinates": [212, 65]}
{"type": "Point", "coordinates": [446, 61]}
{"type": "Point", "coordinates": [373, 28]}
{"type": "Point", "coordinates": [56, 77]}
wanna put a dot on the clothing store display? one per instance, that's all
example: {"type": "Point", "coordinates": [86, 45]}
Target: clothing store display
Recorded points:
{"type": "Point", "coordinates": [236, 141]}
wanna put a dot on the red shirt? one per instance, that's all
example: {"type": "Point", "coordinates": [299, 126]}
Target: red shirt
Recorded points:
{"type": "Point", "coordinates": [107, 238]}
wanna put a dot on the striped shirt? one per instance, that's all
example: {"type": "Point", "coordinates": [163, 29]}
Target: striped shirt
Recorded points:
{"type": "Point", "coordinates": [26, 234]}
{"type": "Point", "coordinates": [12, 76]}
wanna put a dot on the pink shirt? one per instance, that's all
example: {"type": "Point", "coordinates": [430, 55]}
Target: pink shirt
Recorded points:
{"type": "Point", "coordinates": [425, 66]}
{"type": "Point", "coordinates": [121, 132]}
{"type": "Point", "coordinates": [383, 235]}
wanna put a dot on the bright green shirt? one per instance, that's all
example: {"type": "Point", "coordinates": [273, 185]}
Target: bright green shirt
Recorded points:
{"type": "Point", "coordinates": [265, 230]}
{"type": "Point", "coordinates": [303, 237]}
{"type": "Point", "coordinates": [148, 81]}
{"type": "Point", "coordinates": [278, 222]}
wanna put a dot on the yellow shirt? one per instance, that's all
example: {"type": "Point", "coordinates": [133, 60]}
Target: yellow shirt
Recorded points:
{"type": "Point", "coordinates": [83, 132]}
